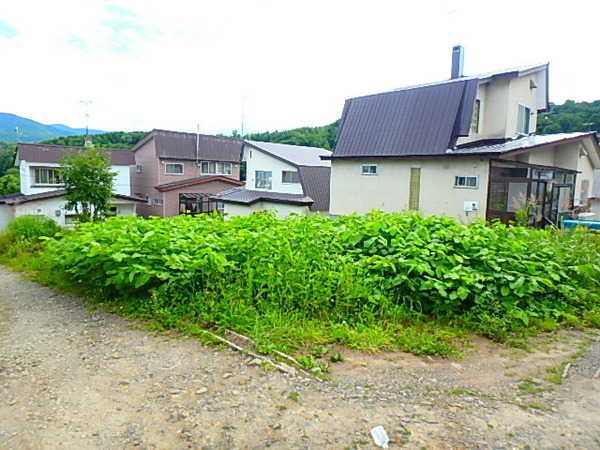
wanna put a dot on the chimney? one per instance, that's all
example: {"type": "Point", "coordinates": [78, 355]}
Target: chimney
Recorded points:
{"type": "Point", "coordinates": [458, 60]}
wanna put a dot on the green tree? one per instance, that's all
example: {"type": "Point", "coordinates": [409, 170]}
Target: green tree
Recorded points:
{"type": "Point", "coordinates": [7, 156]}
{"type": "Point", "coordinates": [88, 182]}
{"type": "Point", "coordinates": [10, 183]}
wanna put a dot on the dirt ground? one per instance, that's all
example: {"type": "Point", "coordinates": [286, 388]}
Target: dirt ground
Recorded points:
{"type": "Point", "coordinates": [73, 378]}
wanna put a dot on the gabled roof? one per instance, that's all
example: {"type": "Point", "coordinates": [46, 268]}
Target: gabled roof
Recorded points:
{"type": "Point", "coordinates": [296, 155]}
{"type": "Point", "coordinates": [182, 146]}
{"type": "Point", "coordinates": [17, 199]}
{"type": "Point", "coordinates": [196, 181]}
{"type": "Point", "coordinates": [423, 120]}
{"type": "Point", "coordinates": [244, 196]}
{"type": "Point", "coordinates": [43, 153]}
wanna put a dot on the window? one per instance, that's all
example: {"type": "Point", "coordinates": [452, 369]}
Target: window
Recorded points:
{"type": "Point", "coordinates": [523, 118]}
{"type": "Point", "coordinates": [174, 168]}
{"type": "Point", "coordinates": [158, 201]}
{"type": "Point", "coordinates": [370, 169]}
{"type": "Point", "coordinates": [46, 176]}
{"type": "Point", "coordinates": [415, 189]}
{"type": "Point", "coordinates": [215, 168]}
{"type": "Point", "coordinates": [475, 120]}
{"type": "Point", "coordinates": [263, 180]}
{"type": "Point", "coordinates": [466, 181]}
{"type": "Point", "coordinates": [290, 176]}
{"type": "Point", "coordinates": [584, 192]}
{"type": "Point", "coordinates": [139, 168]}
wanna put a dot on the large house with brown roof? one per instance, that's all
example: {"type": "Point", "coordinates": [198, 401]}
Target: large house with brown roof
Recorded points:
{"type": "Point", "coordinates": [42, 191]}
{"type": "Point", "coordinates": [465, 147]}
{"type": "Point", "coordinates": [281, 178]}
{"type": "Point", "coordinates": [178, 172]}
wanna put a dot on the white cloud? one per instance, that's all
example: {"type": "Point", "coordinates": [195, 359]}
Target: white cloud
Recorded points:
{"type": "Point", "coordinates": [148, 64]}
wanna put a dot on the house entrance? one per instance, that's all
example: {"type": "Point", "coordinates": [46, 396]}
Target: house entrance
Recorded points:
{"type": "Point", "coordinates": [546, 192]}
{"type": "Point", "coordinates": [192, 204]}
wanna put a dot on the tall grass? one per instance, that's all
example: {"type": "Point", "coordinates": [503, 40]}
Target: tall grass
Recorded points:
{"type": "Point", "coordinates": [380, 281]}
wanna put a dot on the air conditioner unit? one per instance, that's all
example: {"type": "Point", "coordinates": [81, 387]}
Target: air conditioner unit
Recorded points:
{"type": "Point", "coordinates": [470, 206]}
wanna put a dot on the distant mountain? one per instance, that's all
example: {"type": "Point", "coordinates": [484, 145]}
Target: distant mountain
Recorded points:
{"type": "Point", "coordinates": [32, 131]}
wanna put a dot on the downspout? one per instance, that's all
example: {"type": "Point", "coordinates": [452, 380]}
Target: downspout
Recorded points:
{"type": "Point", "coordinates": [197, 149]}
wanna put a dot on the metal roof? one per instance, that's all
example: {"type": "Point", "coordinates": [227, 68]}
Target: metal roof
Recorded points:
{"type": "Point", "coordinates": [196, 181]}
{"type": "Point", "coordinates": [296, 155]}
{"type": "Point", "coordinates": [43, 153]}
{"type": "Point", "coordinates": [524, 143]}
{"type": "Point", "coordinates": [315, 184]}
{"type": "Point", "coordinates": [421, 120]}
{"type": "Point", "coordinates": [16, 199]}
{"type": "Point", "coordinates": [178, 145]}
{"type": "Point", "coordinates": [418, 121]}
{"type": "Point", "coordinates": [245, 196]}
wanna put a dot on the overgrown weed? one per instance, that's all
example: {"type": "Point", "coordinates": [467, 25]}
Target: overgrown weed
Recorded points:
{"type": "Point", "coordinates": [371, 283]}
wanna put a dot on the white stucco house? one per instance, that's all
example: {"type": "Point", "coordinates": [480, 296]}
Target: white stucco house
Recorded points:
{"type": "Point", "coordinates": [41, 188]}
{"type": "Point", "coordinates": [282, 178]}
{"type": "Point", "coordinates": [465, 148]}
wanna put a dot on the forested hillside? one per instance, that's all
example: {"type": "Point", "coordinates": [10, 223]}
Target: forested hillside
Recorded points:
{"type": "Point", "coordinates": [569, 117]}
{"type": "Point", "coordinates": [115, 139]}
{"type": "Point", "coordinates": [323, 137]}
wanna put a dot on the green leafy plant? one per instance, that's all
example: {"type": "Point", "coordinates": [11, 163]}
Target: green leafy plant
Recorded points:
{"type": "Point", "coordinates": [371, 283]}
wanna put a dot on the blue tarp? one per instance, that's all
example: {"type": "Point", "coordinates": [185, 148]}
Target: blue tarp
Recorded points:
{"type": "Point", "coordinates": [571, 224]}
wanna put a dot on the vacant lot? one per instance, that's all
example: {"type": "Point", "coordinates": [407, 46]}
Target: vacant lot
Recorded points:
{"type": "Point", "coordinates": [72, 378]}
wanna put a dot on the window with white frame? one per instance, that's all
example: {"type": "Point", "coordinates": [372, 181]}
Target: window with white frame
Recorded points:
{"type": "Point", "coordinates": [158, 201]}
{"type": "Point", "coordinates": [263, 179]}
{"type": "Point", "coordinates": [46, 176]}
{"type": "Point", "coordinates": [290, 177]}
{"type": "Point", "coordinates": [370, 169]}
{"type": "Point", "coordinates": [215, 168]}
{"type": "Point", "coordinates": [139, 168]}
{"type": "Point", "coordinates": [466, 181]}
{"type": "Point", "coordinates": [174, 168]}
{"type": "Point", "coordinates": [523, 119]}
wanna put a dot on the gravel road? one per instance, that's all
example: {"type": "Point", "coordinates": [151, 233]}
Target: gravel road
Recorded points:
{"type": "Point", "coordinates": [72, 378]}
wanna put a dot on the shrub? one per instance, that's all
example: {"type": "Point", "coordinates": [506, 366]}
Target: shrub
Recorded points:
{"type": "Point", "coordinates": [24, 232]}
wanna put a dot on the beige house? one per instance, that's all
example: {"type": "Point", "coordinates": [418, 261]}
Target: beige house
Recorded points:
{"type": "Point", "coordinates": [465, 148]}
{"type": "Point", "coordinates": [282, 178]}
{"type": "Point", "coordinates": [177, 173]}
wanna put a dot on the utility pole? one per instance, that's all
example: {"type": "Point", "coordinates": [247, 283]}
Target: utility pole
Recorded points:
{"type": "Point", "coordinates": [243, 111]}
{"type": "Point", "coordinates": [88, 138]}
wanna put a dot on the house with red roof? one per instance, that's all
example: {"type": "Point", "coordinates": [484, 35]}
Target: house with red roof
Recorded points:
{"type": "Point", "coordinates": [177, 173]}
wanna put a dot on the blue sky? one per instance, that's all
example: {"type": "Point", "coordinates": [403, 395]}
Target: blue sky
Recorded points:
{"type": "Point", "coordinates": [153, 64]}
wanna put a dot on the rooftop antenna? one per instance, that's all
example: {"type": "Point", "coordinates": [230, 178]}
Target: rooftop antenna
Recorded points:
{"type": "Point", "coordinates": [88, 138]}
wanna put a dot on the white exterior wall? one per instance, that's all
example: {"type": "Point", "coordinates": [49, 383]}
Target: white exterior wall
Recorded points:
{"type": "Point", "coordinates": [520, 92]}
{"type": "Point", "coordinates": [499, 106]}
{"type": "Point", "coordinates": [122, 183]}
{"type": "Point", "coordinates": [282, 210]}
{"type": "Point", "coordinates": [353, 192]}
{"type": "Point", "coordinates": [54, 208]}
{"type": "Point", "coordinates": [258, 160]}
